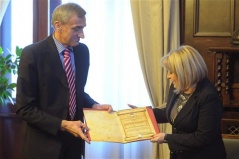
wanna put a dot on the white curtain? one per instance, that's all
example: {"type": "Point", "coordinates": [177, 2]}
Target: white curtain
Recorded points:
{"type": "Point", "coordinates": [3, 7]}
{"type": "Point", "coordinates": [114, 76]}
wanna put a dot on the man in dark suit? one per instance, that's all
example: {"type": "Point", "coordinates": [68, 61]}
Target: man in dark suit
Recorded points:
{"type": "Point", "coordinates": [43, 92]}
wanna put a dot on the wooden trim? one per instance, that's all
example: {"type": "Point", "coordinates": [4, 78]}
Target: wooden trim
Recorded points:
{"type": "Point", "coordinates": [236, 13]}
{"type": "Point", "coordinates": [230, 136]}
{"type": "Point", "coordinates": [224, 49]}
{"type": "Point", "coordinates": [182, 21]}
{"type": "Point", "coordinates": [226, 33]}
{"type": "Point", "coordinates": [40, 19]}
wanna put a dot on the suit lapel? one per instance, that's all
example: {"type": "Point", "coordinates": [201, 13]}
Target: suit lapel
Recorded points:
{"type": "Point", "coordinates": [54, 61]}
{"type": "Point", "coordinates": [185, 110]}
{"type": "Point", "coordinates": [190, 104]}
{"type": "Point", "coordinates": [170, 105]}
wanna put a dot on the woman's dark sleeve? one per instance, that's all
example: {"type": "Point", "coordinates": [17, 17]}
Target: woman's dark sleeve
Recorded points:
{"type": "Point", "coordinates": [160, 115]}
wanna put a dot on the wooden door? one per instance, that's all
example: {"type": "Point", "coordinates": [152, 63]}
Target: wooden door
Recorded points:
{"type": "Point", "coordinates": [209, 24]}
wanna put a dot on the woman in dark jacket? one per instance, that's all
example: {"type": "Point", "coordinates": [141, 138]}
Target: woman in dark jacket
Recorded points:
{"type": "Point", "coordinates": [194, 108]}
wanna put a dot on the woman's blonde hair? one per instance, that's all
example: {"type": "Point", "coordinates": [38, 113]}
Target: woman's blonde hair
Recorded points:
{"type": "Point", "coordinates": [187, 64]}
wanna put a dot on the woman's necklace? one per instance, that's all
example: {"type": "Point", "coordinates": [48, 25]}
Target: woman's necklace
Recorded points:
{"type": "Point", "coordinates": [180, 102]}
{"type": "Point", "coordinates": [182, 99]}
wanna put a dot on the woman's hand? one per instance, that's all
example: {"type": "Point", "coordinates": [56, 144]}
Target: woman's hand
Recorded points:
{"type": "Point", "coordinates": [158, 138]}
{"type": "Point", "coordinates": [132, 106]}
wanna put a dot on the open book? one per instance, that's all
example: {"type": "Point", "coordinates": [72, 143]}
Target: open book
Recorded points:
{"type": "Point", "coordinates": [122, 126]}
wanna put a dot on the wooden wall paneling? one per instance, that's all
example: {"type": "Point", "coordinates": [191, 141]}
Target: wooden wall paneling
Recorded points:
{"type": "Point", "coordinates": [209, 20]}
{"type": "Point", "coordinates": [227, 84]}
{"type": "Point", "coordinates": [208, 25]}
{"type": "Point", "coordinates": [226, 74]}
{"type": "Point", "coordinates": [10, 133]}
{"type": "Point", "coordinates": [198, 31]}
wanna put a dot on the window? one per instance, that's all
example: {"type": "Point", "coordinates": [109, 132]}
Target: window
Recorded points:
{"type": "Point", "coordinates": [16, 27]}
{"type": "Point", "coordinates": [22, 30]}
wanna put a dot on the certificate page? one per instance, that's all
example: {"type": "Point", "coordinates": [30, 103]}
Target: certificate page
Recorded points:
{"type": "Point", "coordinates": [103, 125]}
{"type": "Point", "coordinates": [135, 124]}
{"type": "Point", "coordinates": [121, 126]}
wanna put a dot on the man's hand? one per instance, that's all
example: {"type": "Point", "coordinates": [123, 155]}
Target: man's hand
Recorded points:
{"type": "Point", "coordinates": [76, 128]}
{"type": "Point", "coordinates": [103, 107]}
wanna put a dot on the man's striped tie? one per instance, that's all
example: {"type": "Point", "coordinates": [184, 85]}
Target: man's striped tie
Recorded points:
{"type": "Point", "coordinates": [71, 83]}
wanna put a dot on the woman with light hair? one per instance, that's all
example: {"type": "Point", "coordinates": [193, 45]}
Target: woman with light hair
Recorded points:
{"type": "Point", "coordinates": [194, 108]}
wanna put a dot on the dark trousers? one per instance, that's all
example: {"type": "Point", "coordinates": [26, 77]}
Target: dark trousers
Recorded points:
{"type": "Point", "coordinates": [72, 147]}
